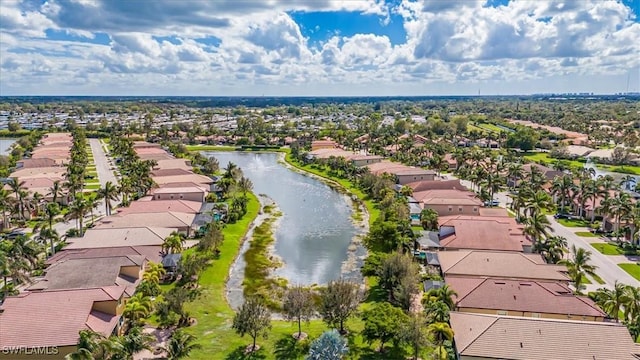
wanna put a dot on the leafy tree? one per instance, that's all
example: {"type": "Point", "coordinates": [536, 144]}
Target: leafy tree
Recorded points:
{"type": "Point", "coordinates": [441, 332]}
{"type": "Point", "coordinates": [415, 333]}
{"type": "Point", "coordinates": [381, 323]}
{"type": "Point", "coordinates": [429, 219]}
{"type": "Point", "coordinates": [524, 138]}
{"type": "Point", "coordinates": [329, 346]}
{"type": "Point", "coordinates": [254, 319]}
{"type": "Point", "coordinates": [393, 270]}
{"type": "Point", "coordinates": [338, 302]}
{"type": "Point", "coordinates": [298, 305]}
{"type": "Point", "coordinates": [212, 239]}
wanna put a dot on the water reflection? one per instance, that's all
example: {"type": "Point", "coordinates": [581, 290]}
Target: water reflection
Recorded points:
{"type": "Point", "coordinates": [315, 229]}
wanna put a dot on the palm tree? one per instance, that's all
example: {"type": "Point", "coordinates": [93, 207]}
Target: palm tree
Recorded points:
{"type": "Point", "coordinates": [109, 193]}
{"type": "Point", "coordinates": [514, 173]}
{"type": "Point", "coordinates": [579, 266]}
{"type": "Point", "coordinates": [537, 227]}
{"type": "Point", "coordinates": [50, 235]}
{"type": "Point", "coordinates": [134, 341]}
{"type": "Point", "coordinates": [612, 300]}
{"type": "Point", "coordinates": [137, 308]}
{"type": "Point", "coordinates": [14, 268]}
{"type": "Point", "coordinates": [441, 332]}
{"type": "Point", "coordinates": [174, 243]}
{"type": "Point", "coordinates": [153, 272]}
{"type": "Point", "coordinates": [77, 210]}
{"type": "Point", "coordinates": [56, 190]}
{"type": "Point", "coordinates": [180, 345]}
{"type": "Point", "coordinates": [6, 204]}
{"type": "Point", "coordinates": [552, 248]}
{"type": "Point", "coordinates": [245, 185]}
{"type": "Point", "coordinates": [537, 202]}
{"type": "Point", "coordinates": [564, 188]}
{"type": "Point", "coordinates": [445, 294]}
{"type": "Point", "coordinates": [20, 192]}
{"type": "Point", "coordinates": [620, 208]}
{"type": "Point", "coordinates": [632, 305]}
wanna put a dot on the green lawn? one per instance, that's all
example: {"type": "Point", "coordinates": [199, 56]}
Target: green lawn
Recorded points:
{"type": "Point", "coordinates": [624, 169]}
{"type": "Point", "coordinates": [92, 186]}
{"type": "Point", "coordinates": [214, 316]}
{"type": "Point", "coordinates": [598, 279]}
{"type": "Point", "coordinates": [545, 158]}
{"type": "Point", "coordinates": [471, 127]}
{"type": "Point", "coordinates": [490, 127]}
{"type": "Point", "coordinates": [574, 222]}
{"type": "Point", "coordinates": [632, 269]}
{"type": "Point", "coordinates": [607, 249]}
{"type": "Point", "coordinates": [586, 234]}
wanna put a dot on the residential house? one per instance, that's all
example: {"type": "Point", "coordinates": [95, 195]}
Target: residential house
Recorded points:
{"type": "Point", "coordinates": [528, 298]}
{"type": "Point", "coordinates": [449, 201]}
{"type": "Point", "coordinates": [181, 222]}
{"type": "Point", "coordinates": [323, 144]}
{"type": "Point", "coordinates": [35, 163]}
{"type": "Point", "coordinates": [478, 337]}
{"type": "Point", "coordinates": [194, 178]}
{"type": "Point", "coordinates": [420, 186]}
{"type": "Point", "coordinates": [482, 233]}
{"type": "Point", "coordinates": [45, 324]}
{"type": "Point", "coordinates": [89, 273]}
{"type": "Point", "coordinates": [189, 193]}
{"type": "Point", "coordinates": [101, 238]}
{"type": "Point", "coordinates": [159, 206]}
{"type": "Point", "coordinates": [502, 264]}
{"type": "Point", "coordinates": [173, 164]}
{"type": "Point", "coordinates": [150, 253]}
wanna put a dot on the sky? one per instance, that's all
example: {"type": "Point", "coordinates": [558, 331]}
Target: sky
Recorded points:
{"type": "Point", "coordinates": [318, 47]}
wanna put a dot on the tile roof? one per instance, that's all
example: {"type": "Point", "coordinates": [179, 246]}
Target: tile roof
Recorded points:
{"type": "Point", "coordinates": [512, 265]}
{"type": "Point", "coordinates": [521, 295]}
{"type": "Point", "coordinates": [36, 163]}
{"type": "Point", "coordinates": [170, 172]}
{"type": "Point", "coordinates": [160, 219]}
{"type": "Point", "coordinates": [89, 273]}
{"type": "Point", "coordinates": [55, 317]}
{"type": "Point", "coordinates": [447, 197]}
{"type": "Point", "coordinates": [151, 253]}
{"type": "Point", "coordinates": [99, 238]}
{"type": "Point", "coordinates": [520, 338]}
{"type": "Point", "coordinates": [196, 178]}
{"type": "Point", "coordinates": [173, 164]}
{"type": "Point", "coordinates": [156, 206]}
{"type": "Point", "coordinates": [436, 184]}
{"type": "Point", "coordinates": [483, 233]}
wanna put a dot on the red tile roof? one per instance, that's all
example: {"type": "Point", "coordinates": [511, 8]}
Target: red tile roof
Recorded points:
{"type": "Point", "coordinates": [155, 206]}
{"type": "Point", "coordinates": [521, 295]}
{"type": "Point", "coordinates": [483, 233]}
{"type": "Point", "coordinates": [54, 318]}
{"type": "Point", "coordinates": [426, 185]}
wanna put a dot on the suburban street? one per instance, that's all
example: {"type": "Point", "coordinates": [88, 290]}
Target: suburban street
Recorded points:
{"type": "Point", "coordinates": [105, 174]}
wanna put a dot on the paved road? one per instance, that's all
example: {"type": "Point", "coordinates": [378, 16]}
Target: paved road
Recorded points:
{"type": "Point", "coordinates": [608, 270]}
{"type": "Point", "coordinates": [103, 163]}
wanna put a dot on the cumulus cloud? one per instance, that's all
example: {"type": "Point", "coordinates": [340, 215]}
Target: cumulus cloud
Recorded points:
{"type": "Point", "coordinates": [158, 46]}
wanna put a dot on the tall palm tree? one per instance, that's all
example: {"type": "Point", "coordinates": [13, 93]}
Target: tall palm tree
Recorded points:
{"type": "Point", "coordinates": [78, 208]}
{"type": "Point", "coordinates": [134, 341]}
{"type": "Point", "coordinates": [620, 208]}
{"type": "Point", "coordinates": [537, 202]}
{"type": "Point", "coordinates": [6, 204]}
{"type": "Point", "coordinates": [108, 193]}
{"type": "Point", "coordinates": [445, 294]}
{"type": "Point", "coordinates": [514, 173]}
{"type": "Point", "coordinates": [579, 266]}
{"type": "Point", "coordinates": [245, 185]}
{"type": "Point", "coordinates": [632, 304]}
{"type": "Point", "coordinates": [14, 268]}
{"type": "Point", "coordinates": [17, 188]}
{"type": "Point", "coordinates": [552, 248]}
{"type": "Point", "coordinates": [180, 345]}
{"type": "Point", "coordinates": [564, 188]}
{"type": "Point", "coordinates": [55, 191]}
{"type": "Point", "coordinates": [50, 235]}
{"type": "Point", "coordinates": [537, 227]}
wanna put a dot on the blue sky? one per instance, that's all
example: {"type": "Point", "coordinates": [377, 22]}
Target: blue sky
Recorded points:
{"type": "Point", "coordinates": [322, 47]}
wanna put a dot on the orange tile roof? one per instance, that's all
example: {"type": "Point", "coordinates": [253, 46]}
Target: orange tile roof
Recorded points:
{"type": "Point", "coordinates": [483, 233]}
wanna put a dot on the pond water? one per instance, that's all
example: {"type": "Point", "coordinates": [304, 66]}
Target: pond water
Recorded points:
{"type": "Point", "coordinates": [5, 145]}
{"type": "Point", "coordinates": [617, 176]}
{"type": "Point", "coordinates": [315, 230]}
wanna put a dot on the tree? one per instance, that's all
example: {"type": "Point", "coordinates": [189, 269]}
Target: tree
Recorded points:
{"type": "Point", "coordinates": [381, 323]}
{"type": "Point", "coordinates": [212, 239]}
{"type": "Point", "coordinates": [441, 332]}
{"type": "Point", "coordinates": [338, 302]}
{"type": "Point", "coordinates": [245, 185]}
{"type": "Point", "coordinates": [579, 266]}
{"type": "Point", "coordinates": [329, 346]}
{"type": "Point", "coordinates": [524, 138]}
{"type": "Point", "coordinates": [298, 305]}
{"type": "Point", "coordinates": [429, 219]}
{"type": "Point", "coordinates": [77, 210]}
{"type": "Point", "coordinates": [153, 272]}
{"type": "Point", "coordinates": [173, 243]}
{"type": "Point", "coordinates": [415, 334]}
{"type": "Point", "coordinates": [180, 345]}
{"type": "Point", "coordinates": [613, 300]}
{"type": "Point", "coordinates": [109, 193]}
{"type": "Point", "coordinates": [444, 294]}
{"type": "Point", "coordinates": [254, 319]}
{"type": "Point", "coordinates": [134, 341]}
{"type": "Point", "coordinates": [393, 270]}
{"type": "Point", "coordinates": [137, 308]}
{"type": "Point", "coordinates": [56, 191]}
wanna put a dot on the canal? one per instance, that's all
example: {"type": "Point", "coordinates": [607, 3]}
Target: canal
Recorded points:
{"type": "Point", "coordinates": [5, 145]}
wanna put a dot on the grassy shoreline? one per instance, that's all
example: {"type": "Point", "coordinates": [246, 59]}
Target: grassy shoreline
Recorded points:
{"type": "Point", "coordinates": [214, 316]}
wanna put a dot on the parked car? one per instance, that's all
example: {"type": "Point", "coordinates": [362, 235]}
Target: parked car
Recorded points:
{"type": "Point", "coordinates": [492, 203]}
{"type": "Point", "coordinates": [562, 216]}
{"type": "Point", "coordinates": [14, 234]}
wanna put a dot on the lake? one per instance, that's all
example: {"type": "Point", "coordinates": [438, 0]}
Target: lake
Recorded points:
{"type": "Point", "coordinates": [5, 145]}
{"type": "Point", "coordinates": [314, 233]}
